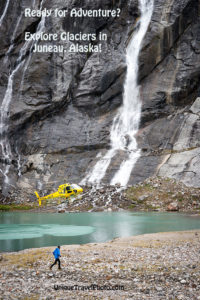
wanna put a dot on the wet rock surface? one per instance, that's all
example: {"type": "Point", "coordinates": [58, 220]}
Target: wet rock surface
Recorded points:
{"type": "Point", "coordinates": [63, 105]}
{"type": "Point", "coordinates": [170, 147]}
{"type": "Point", "coordinates": [155, 266]}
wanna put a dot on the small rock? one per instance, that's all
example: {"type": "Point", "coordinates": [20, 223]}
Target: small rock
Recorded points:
{"type": "Point", "coordinates": [158, 289]}
{"type": "Point", "coordinates": [183, 281]}
{"type": "Point", "coordinates": [173, 206]}
{"type": "Point", "coordinates": [61, 211]}
{"type": "Point", "coordinates": [147, 291]}
{"type": "Point", "coordinates": [142, 198]}
{"type": "Point", "coordinates": [194, 266]}
{"type": "Point", "coordinates": [156, 185]}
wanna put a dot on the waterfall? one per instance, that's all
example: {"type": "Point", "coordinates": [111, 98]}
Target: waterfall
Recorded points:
{"type": "Point", "coordinates": [4, 113]}
{"type": "Point", "coordinates": [18, 162]}
{"type": "Point", "coordinates": [126, 123]}
{"type": "Point", "coordinates": [12, 39]}
{"type": "Point", "coordinates": [4, 120]}
{"type": "Point", "coordinates": [4, 12]}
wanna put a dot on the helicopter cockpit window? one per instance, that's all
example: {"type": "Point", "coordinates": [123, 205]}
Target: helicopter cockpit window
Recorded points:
{"type": "Point", "coordinates": [68, 188]}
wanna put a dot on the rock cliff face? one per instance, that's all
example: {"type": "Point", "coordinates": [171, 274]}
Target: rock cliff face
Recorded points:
{"type": "Point", "coordinates": [170, 132]}
{"type": "Point", "coordinates": [63, 104]}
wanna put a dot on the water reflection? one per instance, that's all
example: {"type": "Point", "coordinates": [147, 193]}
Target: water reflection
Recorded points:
{"type": "Point", "coordinates": [27, 230]}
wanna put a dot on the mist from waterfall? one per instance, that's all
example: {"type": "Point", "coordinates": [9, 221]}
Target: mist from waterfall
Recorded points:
{"type": "Point", "coordinates": [126, 122]}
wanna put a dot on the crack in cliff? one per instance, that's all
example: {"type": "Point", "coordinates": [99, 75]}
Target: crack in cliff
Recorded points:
{"type": "Point", "coordinates": [189, 172]}
{"type": "Point", "coordinates": [77, 76]}
{"type": "Point", "coordinates": [162, 152]}
{"type": "Point", "coordinates": [20, 39]}
{"type": "Point", "coordinates": [38, 115]}
{"type": "Point", "coordinates": [110, 99]}
{"type": "Point", "coordinates": [174, 46]}
{"type": "Point", "coordinates": [178, 59]}
{"type": "Point", "coordinates": [188, 164]}
{"type": "Point", "coordinates": [78, 149]}
{"type": "Point", "coordinates": [101, 93]}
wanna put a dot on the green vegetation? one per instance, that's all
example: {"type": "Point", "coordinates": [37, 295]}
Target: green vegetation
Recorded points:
{"type": "Point", "coordinates": [11, 207]}
{"type": "Point", "coordinates": [151, 207]}
{"type": "Point", "coordinates": [131, 206]}
{"type": "Point", "coordinates": [157, 193]}
{"type": "Point", "coordinates": [133, 191]}
{"type": "Point", "coordinates": [4, 207]}
{"type": "Point", "coordinates": [89, 207]}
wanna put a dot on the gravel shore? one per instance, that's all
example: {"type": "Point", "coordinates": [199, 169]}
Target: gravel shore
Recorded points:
{"type": "Point", "coordinates": [150, 266]}
{"type": "Point", "coordinates": [154, 194]}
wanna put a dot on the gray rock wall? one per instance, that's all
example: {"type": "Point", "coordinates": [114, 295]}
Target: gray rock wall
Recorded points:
{"type": "Point", "coordinates": [63, 104]}
{"type": "Point", "coordinates": [170, 83]}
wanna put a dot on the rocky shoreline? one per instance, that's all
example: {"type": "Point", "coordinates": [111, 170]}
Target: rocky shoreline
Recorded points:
{"type": "Point", "coordinates": [151, 266]}
{"type": "Point", "coordinates": [154, 194]}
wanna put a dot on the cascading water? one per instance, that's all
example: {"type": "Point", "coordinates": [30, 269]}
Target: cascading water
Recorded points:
{"type": "Point", "coordinates": [4, 12]}
{"type": "Point", "coordinates": [126, 123]}
{"type": "Point", "coordinates": [4, 121]}
{"type": "Point", "coordinates": [12, 40]}
{"type": "Point", "coordinates": [4, 118]}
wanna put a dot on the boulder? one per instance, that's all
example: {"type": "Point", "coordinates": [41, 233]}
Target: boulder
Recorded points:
{"type": "Point", "coordinates": [142, 198]}
{"type": "Point", "coordinates": [61, 211]}
{"type": "Point", "coordinates": [173, 206]}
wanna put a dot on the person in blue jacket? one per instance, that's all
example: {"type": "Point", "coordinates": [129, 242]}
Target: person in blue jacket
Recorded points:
{"type": "Point", "coordinates": [57, 256]}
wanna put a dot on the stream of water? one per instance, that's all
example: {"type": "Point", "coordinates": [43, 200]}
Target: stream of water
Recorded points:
{"type": "Point", "coordinates": [4, 12]}
{"type": "Point", "coordinates": [21, 62]}
{"type": "Point", "coordinates": [126, 122]}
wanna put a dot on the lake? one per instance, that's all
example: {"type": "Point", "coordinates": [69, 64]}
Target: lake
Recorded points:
{"type": "Point", "coordinates": [22, 230]}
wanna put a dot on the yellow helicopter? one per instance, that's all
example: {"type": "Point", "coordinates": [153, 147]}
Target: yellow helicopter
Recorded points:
{"type": "Point", "coordinates": [64, 191]}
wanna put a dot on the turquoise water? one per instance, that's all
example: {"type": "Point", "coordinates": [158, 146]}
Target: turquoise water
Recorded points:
{"type": "Point", "coordinates": [28, 230]}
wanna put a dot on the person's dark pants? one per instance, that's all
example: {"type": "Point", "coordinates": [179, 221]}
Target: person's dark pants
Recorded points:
{"type": "Point", "coordinates": [55, 262]}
